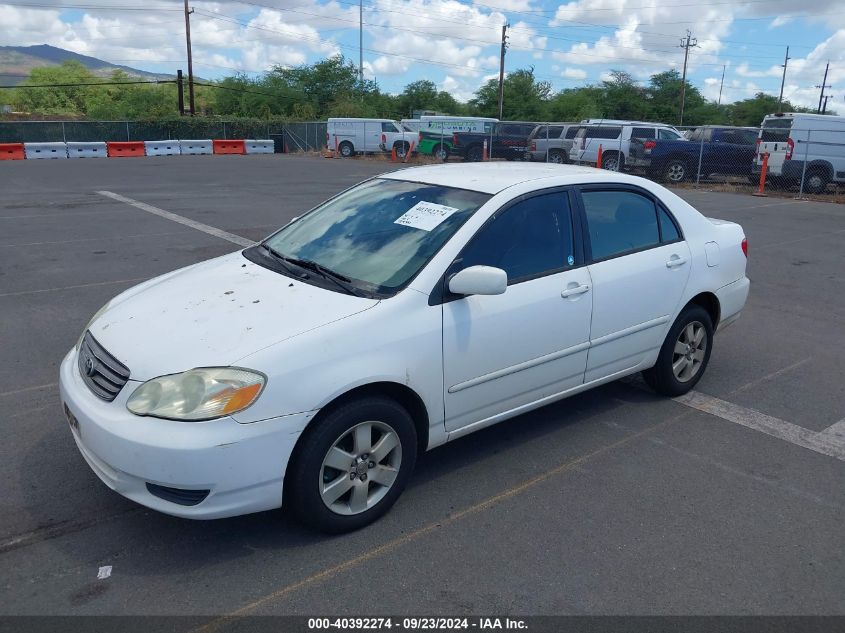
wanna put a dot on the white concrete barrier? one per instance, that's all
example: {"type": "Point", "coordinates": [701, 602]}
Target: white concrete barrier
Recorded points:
{"type": "Point", "coordinates": [162, 148]}
{"type": "Point", "coordinates": [259, 146]}
{"type": "Point", "coordinates": [196, 147]}
{"type": "Point", "coordinates": [77, 149]}
{"type": "Point", "coordinates": [45, 150]}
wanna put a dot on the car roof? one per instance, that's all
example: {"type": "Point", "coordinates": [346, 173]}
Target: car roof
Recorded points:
{"type": "Point", "coordinates": [494, 177]}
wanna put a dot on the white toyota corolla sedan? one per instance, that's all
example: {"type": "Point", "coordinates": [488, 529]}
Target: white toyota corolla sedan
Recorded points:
{"type": "Point", "coordinates": [407, 311]}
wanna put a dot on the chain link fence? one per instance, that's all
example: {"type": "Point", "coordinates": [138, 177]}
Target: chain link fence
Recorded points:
{"type": "Point", "coordinates": [288, 137]}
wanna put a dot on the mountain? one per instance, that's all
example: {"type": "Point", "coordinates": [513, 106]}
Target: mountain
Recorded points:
{"type": "Point", "coordinates": [16, 62]}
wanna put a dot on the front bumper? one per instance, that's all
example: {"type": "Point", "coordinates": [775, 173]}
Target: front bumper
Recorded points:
{"type": "Point", "coordinates": [241, 465]}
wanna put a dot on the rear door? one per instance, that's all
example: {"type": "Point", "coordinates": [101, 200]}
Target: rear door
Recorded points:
{"type": "Point", "coordinates": [639, 266]}
{"type": "Point", "coordinates": [776, 142]}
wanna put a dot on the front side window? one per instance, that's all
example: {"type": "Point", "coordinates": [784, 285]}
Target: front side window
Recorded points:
{"type": "Point", "coordinates": [619, 222]}
{"type": "Point", "coordinates": [531, 238]}
{"type": "Point", "coordinates": [380, 233]}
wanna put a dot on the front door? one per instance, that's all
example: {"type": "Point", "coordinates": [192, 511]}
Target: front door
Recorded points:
{"type": "Point", "coordinates": [504, 351]}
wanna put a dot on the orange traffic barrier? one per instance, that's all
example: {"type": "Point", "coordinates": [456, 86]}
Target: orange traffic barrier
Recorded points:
{"type": "Point", "coordinates": [232, 146]}
{"type": "Point", "coordinates": [598, 158]}
{"type": "Point", "coordinates": [763, 171]}
{"type": "Point", "coordinates": [393, 154]}
{"type": "Point", "coordinates": [12, 151]}
{"type": "Point", "coordinates": [116, 149]}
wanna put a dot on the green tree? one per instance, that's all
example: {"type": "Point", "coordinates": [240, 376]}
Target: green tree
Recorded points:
{"type": "Point", "coordinates": [525, 98]}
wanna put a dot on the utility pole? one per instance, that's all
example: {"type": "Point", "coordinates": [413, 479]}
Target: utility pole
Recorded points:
{"type": "Point", "coordinates": [823, 86]}
{"type": "Point", "coordinates": [361, 43]}
{"type": "Point", "coordinates": [502, 70]}
{"type": "Point", "coordinates": [721, 85]}
{"type": "Point", "coordinates": [190, 59]}
{"type": "Point", "coordinates": [783, 79]}
{"type": "Point", "coordinates": [180, 92]}
{"type": "Point", "coordinates": [686, 44]}
{"type": "Point", "coordinates": [824, 107]}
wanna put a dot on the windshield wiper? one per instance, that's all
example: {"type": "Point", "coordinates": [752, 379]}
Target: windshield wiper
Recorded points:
{"type": "Point", "coordinates": [327, 273]}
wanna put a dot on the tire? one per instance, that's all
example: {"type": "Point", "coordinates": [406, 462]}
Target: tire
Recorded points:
{"type": "Point", "coordinates": [556, 156]}
{"type": "Point", "coordinates": [346, 149]}
{"type": "Point", "coordinates": [475, 154]}
{"type": "Point", "coordinates": [441, 153]}
{"type": "Point", "coordinates": [310, 476]}
{"type": "Point", "coordinates": [401, 150]}
{"type": "Point", "coordinates": [676, 171]}
{"type": "Point", "coordinates": [815, 181]}
{"type": "Point", "coordinates": [612, 162]}
{"type": "Point", "coordinates": [670, 376]}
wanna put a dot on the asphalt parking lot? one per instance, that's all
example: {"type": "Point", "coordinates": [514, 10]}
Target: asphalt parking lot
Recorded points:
{"type": "Point", "coordinates": [612, 502]}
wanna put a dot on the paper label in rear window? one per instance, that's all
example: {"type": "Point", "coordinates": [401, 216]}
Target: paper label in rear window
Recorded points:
{"type": "Point", "coordinates": [425, 216]}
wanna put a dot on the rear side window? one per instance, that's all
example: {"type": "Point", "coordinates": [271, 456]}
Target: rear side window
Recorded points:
{"type": "Point", "coordinates": [599, 132]}
{"type": "Point", "coordinates": [668, 231]}
{"type": "Point", "coordinates": [530, 239]}
{"type": "Point", "coordinates": [619, 222]}
{"type": "Point", "coordinates": [642, 132]}
{"type": "Point", "coordinates": [670, 135]}
{"type": "Point", "coordinates": [572, 132]}
{"type": "Point", "coordinates": [555, 131]}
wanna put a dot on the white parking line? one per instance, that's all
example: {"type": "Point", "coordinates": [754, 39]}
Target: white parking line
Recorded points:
{"type": "Point", "coordinates": [199, 226]}
{"type": "Point", "coordinates": [830, 442]}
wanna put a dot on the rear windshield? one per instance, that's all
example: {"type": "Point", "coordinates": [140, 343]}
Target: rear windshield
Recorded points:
{"type": "Point", "coordinates": [776, 130]}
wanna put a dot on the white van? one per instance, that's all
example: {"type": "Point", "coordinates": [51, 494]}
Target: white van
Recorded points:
{"type": "Point", "coordinates": [792, 139]}
{"type": "Point", "coordinates": [615, 138]}
{"type": "Point", "coordinates": [352, 136]}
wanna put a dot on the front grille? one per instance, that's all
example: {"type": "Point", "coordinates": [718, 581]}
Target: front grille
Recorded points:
{"type": "Point", "coordinates": [102, 372]}
{"type": "Point", "coordinates": [177, 495]}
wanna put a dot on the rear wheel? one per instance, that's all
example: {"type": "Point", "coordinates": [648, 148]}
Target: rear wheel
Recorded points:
{"type": "Point", "coordinates": [441, 153]}
{"type": "Point", "coordinates": [676, 171]}
{"type": "Point", "coordinates": [556, 156]}
{"type": "Point", "coordinates": [346, 149]}
{"type": "Point", "coordinates": [816, 181]}
{"type": "Point", "coordinates": [684, 354]}
{"type": "Point", "coordinates": [611, 162]}
{"type": "Point", "coordinates": [352, 466]}
{"type": "Point", "coordinates": [401, 150]}
{"type": "Point", "coordinates": [475, 154]}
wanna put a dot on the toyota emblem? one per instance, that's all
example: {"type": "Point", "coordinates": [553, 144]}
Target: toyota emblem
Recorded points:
{"type": "Point", "coordinates": [89, 366]}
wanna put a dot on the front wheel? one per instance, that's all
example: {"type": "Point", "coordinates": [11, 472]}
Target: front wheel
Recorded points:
{"type": "Point", "coordinates": [353, 465]}
{"type": "Point", "coordinates": [401, 150]}
{"type": "Point", "coordinates": [475, 154]}
{"type": "Point", "coordinates": [684, 354]}
{"type": "Point", "coordinates": [556, 156]}
{"type": "Point", "coordinates": [816, 182]}
{"type": "Point", "coordinates": [611, 162]}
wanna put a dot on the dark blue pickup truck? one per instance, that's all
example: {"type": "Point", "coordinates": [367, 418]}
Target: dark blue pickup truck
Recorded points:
{"type": "Point", "coordinates": [723, 151]}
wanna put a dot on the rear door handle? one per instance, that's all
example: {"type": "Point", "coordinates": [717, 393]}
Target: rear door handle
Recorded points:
{"type": "Point", "coordinates": [676, 261]}
{"type": "Point", "coordinates": [575, 290]}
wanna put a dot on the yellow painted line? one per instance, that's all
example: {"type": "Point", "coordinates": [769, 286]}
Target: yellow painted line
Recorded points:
{"type": "Point", "coordinates": [223, 620]}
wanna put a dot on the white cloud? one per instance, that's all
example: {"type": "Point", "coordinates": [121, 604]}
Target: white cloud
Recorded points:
{"type": "Point", "coordinates": [574, 73]}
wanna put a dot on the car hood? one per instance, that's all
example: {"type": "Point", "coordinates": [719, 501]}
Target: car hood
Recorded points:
{"type": "Point", "coordinates": [213, 314]}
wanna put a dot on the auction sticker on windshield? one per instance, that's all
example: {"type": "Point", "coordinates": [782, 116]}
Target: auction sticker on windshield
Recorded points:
{"type": "Point", "coordinates": [425, 216]}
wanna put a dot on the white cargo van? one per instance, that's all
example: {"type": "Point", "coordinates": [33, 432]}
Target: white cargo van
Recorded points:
{"type": "Point", "coordinates": [793, 139]}
{"type": "Point", "coordinates": [352, 136]}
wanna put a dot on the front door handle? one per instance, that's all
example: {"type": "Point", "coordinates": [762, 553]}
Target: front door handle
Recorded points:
{"type": "Point", "coordinates": [676, 261]}
{"type": "Point", "coordinates": [575, 290]}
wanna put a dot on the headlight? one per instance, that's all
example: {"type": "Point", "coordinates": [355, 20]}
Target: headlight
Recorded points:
{"type": "Point", "coordinates": [198, 394]}
{"type": "Point", "coordinates": [90, 321]}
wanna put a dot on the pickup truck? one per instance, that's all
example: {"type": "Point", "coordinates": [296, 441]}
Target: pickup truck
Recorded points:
{"type": "Point", "coordinates": [508, 140]}
{"type": "Point", "coordinates": [726, 151]}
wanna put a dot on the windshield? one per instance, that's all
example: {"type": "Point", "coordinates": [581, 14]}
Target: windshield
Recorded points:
{"type": "Point", "coordinates": [380, 233]}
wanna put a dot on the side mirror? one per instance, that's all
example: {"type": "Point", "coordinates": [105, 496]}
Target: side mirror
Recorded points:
{"type": "Point", "coordinates": [479, 280]}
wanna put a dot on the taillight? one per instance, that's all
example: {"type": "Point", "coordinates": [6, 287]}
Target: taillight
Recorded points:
{"type": "Point", "coordinates": [419, 140]}
{"type": "Point", "coordinates": [455, 139]}
{"type": "Point", "coordinates": [790, 145]}
{"type": "Point", "coordinates": [757, 149]}
{"type": "Point", "coordinates": [649, 145]}
{"type": "Point", "coordinates": [533, 146]}
{"type": "Point", "coordinates": [383, 138]}
{"type": "Point", "coordinates": [745, 247]}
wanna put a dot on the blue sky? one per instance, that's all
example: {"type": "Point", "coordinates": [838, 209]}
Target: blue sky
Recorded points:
{"type": "Point", "coordinates": [455, 43]}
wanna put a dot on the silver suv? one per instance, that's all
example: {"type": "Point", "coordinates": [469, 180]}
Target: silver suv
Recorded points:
{"type": "Point", "coordinates": [554, 139]}
{"type": "Point", "coordinates": [621, 142]}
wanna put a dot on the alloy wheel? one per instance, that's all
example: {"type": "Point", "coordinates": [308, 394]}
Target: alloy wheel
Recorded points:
{"type": "Point", "coordinates": [689, 351]}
